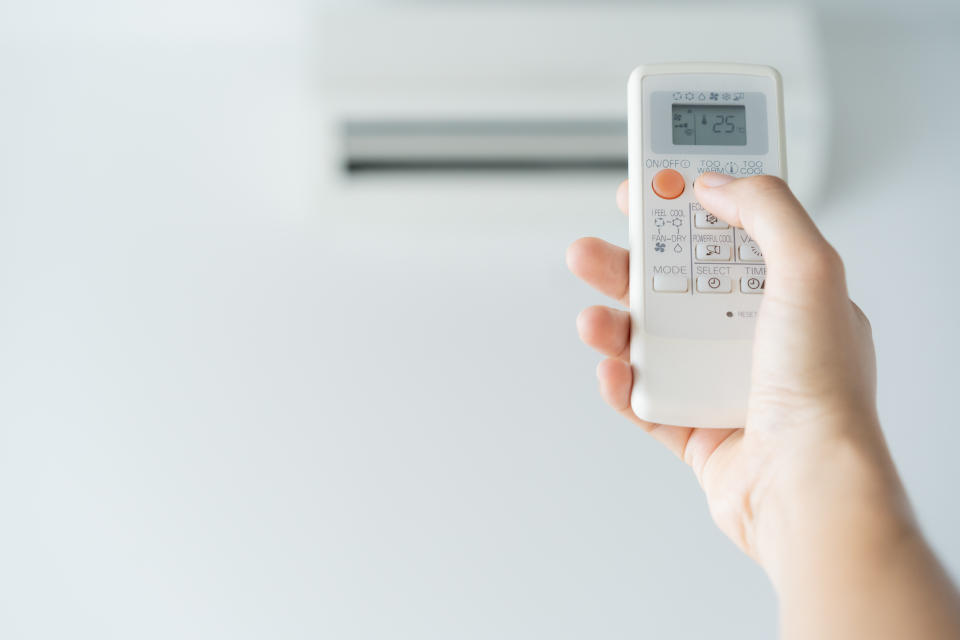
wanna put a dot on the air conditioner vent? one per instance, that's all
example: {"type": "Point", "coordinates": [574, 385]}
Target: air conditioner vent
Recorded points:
{"type": "Point", "coordinates": [483, 144]}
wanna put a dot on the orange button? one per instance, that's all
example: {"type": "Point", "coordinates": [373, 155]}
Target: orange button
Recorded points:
{"type": "Point", "coordinates": [668, 184]}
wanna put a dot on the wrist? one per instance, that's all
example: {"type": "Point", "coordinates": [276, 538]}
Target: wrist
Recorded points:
{"type": "Point", "coordinates": [837, 538]}
{"type": "Point", "coordinates": [836, 502]}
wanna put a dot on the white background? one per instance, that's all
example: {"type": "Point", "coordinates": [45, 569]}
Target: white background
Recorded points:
{"type": "Point", "coordinates": [227, 411]}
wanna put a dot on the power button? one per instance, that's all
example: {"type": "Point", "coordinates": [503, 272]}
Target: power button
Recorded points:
{"type": "Point", "coordinates": [668, 184]}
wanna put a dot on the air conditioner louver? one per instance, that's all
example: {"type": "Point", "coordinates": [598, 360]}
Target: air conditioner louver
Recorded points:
{"type": "Point", "coordinates": [483, 145]}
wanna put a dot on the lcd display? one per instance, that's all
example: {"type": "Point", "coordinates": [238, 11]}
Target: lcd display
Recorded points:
{"type": "Point", "coordinates": [710, 124]}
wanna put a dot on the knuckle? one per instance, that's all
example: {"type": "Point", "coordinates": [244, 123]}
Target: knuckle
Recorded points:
{"type": "Point", "coordinates": [821, 263]}
{"type": "Point", "coordinates": [862, 317]}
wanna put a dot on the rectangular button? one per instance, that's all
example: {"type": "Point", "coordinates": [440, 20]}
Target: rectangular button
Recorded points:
{"type": "Point", "coordinates": [719, 252]}
{"type": "Point", "coordinates": [704, 220]}
{"type": "Point", "coordinates": [752, 284]}
{"type": "Point", "coordinates": [713, 284]}
{"type": "Point", "coordinates": [671, 284]}
{"type": "Point", "coordinates": [750, 252]}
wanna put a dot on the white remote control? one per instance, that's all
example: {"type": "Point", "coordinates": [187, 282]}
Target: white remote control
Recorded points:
{"type": "Point", "coordinates": [695, 282]}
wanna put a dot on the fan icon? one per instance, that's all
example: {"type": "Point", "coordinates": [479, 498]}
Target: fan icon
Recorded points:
{"type": "Point", "coordinates": [660, 247]}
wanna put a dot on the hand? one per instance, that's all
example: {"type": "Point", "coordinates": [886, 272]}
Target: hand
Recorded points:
{"type": "Point", "coordinates": [807, 488]}
{"type": "Point", "coordinates": [813, 384]}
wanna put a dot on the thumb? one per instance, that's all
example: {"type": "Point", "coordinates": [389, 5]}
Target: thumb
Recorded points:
{"type": "Point", "coordinates": [767, 210]}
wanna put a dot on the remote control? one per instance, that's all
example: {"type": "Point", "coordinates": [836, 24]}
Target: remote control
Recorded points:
{"type": "Point", "coordinates": [695, 282]}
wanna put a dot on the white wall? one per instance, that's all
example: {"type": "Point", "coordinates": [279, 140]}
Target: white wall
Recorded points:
{"type": "Point", "coordinates": [227, 411]}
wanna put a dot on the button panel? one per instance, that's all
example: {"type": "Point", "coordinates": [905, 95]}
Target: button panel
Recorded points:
{"type": "Point", "coordinates": [687, 244]}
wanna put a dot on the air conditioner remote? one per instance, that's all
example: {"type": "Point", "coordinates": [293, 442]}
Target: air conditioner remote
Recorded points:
{"type": "Point", "coordinates": [695, 282]}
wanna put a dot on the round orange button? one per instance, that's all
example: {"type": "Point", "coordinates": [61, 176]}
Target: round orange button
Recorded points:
{"type": "Point", "coordinates": [668, 184]}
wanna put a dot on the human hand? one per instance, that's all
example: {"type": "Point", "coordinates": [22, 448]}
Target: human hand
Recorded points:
{"type": "Point", "coordinates": [812, 397]}
{"type": "Point", "coordinates": [807, 487]}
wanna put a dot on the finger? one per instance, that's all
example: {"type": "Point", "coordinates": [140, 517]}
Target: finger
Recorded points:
{"type": "Point", "coordinates": [623, 196]}
{"type": "Point", "coordinates": [602, 265]}
{"type": "Point", "coordinates": [616, 380]}
{"type": "Point", "coordinates": [768, 211]}
{"type": "Point", "coordinates": [701, 446]}
{"type": "Point", "coordinates": [606, 330]}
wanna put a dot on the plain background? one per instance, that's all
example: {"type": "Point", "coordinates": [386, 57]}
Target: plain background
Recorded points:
{"type": "Point", "coordinates": [228, 412]}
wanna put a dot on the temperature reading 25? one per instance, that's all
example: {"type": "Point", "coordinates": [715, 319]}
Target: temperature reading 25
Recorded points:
{"type": "Point", "coordinates": [723, 124]}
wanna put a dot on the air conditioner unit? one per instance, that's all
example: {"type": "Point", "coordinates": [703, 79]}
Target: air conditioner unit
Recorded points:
{"type": "Point", "coordinates": [419, 91]}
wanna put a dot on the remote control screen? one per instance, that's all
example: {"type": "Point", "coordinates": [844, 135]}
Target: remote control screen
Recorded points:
{"type": "Point", "coordinates": [709, 124]}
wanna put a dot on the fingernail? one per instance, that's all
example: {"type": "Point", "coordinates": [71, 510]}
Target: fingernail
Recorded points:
{"type": "Point", "coordinates": [714, 179]}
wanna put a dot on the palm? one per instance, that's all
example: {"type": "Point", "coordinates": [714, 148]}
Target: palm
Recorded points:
{"type": "Point", "coordinates": [719, 459]}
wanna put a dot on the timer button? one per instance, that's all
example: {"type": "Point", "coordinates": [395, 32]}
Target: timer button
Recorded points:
{"type": "Point", "coordinates": [668, 184]}
{"type": "Point", "coordinates": [753, 284]}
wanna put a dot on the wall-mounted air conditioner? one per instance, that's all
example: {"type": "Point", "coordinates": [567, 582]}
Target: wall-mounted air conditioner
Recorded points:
{"type": "Point", "coordinates": [422, 90]}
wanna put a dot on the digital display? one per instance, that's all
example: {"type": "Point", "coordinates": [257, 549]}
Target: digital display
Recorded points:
{"type": "Point", "coordinates": [710, 124]}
